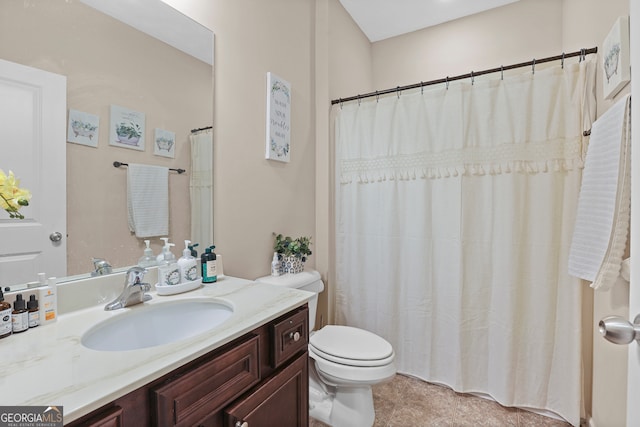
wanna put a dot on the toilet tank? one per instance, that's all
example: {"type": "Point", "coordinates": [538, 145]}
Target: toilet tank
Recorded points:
{"type": "Point", "coordinates": [307, 281]}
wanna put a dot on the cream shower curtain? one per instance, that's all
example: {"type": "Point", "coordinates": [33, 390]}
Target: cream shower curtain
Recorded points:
{"type": "Point", "coordinates": [201, 188]}
{"type": "Point", "coordinates": [454, 212]}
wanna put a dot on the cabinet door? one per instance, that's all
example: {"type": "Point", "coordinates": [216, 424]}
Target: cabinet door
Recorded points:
{"type": "Point", "coordinates": [282, 401]}
{"type": "Point", "coordinates": [196, 395]}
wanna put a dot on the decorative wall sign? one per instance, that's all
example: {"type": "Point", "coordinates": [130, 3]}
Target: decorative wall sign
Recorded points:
{"type": "Point", "coordinates": [164, 143]}
{"type": "Point", "coordinates": [127, 128]}
{"type": "Point", "coordinates": [83, 128]}
{"type": "Point", "coordinates": [278, 118]}
{"type": "Point", "coordinates": [615, 58]}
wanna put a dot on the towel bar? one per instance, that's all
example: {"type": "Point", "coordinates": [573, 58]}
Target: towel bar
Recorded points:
{"type": "Point", "coordinates": [117, 164]}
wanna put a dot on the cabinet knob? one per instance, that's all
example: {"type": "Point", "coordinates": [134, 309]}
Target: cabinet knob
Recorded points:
{"type": "Point", "coordinates": [295, 336]}
{"type": "Point", "coordinates": [242, 424]}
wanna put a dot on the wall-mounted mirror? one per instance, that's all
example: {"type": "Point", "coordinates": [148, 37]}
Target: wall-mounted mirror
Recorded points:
{"type": "Point", "coordinates": [108, 62]}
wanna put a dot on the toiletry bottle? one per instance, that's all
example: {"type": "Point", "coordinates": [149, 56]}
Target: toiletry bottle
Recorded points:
{"type": "Point", "coordinates": [34, 311]}
{"type": "Point", "coordinates": [5, 317]}
{"type": "Point", "coordinates": [194, 253]}
{"type": "Point", "coordinates": [188, 264]}
{"type": "Point", "coordinates": [168, 270]}
{"type": "Point", "coordinates": [160, 257]}
{"type": "Point", "coordinates": [48, 301]}
{"type": "Point", "coordinates": [148, 259]}
{"type": "Point", "coordinates": [275, 265]}
{"type": "Point", "coordinates": [19, 316]}
{"type": "Point", "coordinates": [209, 270]}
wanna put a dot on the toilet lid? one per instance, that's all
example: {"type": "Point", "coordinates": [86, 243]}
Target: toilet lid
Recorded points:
{"type": "Point", "coordinates": [353, 346]}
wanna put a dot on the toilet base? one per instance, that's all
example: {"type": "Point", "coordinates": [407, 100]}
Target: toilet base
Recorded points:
{"type": "Point", "coordinates": [340, 406]}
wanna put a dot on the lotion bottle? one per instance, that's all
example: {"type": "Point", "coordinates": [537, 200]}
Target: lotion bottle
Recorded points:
{"type": "Point", "coordinates": [160, 257]}
{"type": "Point", "coordinates": [48, 301]}
{"type": "Point", "coordinates": [148, 259]}
{"type": "Point", "coordinates": [188, 264]}
{"type": "Point", "coordinates": [168, 270]}
{"type": "Point", "coordinates": [275, 265]}
{"type": "Point", "coordinates": [209, 266]}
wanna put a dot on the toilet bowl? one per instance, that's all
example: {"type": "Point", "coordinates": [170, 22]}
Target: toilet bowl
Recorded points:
{"type": "Point", "coordinates": [346, 362]}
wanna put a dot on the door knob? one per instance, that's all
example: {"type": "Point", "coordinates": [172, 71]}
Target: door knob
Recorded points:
{"type": "Point", "coordinates": [619, 330]}
{"type": "Point", "coordinates": [55, 237]}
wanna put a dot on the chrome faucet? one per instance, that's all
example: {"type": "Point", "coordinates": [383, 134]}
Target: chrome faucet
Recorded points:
{"type": "Point", "coordinates": [101, 267]}
{"type": "Point", "coordinates": [135, 291]}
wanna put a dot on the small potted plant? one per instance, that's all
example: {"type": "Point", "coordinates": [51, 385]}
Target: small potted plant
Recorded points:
{"type": "Point", "coordinates": [292, 252]}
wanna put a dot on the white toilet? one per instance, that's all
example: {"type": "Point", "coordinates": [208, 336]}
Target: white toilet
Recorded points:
{"type": "Point", "coordinates": [347, 362]}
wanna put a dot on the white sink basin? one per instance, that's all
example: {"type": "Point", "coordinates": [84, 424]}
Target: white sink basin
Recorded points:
{"type": "Point", "coordinates": [150, 325]}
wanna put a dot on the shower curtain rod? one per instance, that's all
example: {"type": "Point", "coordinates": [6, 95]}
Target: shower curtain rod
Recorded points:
{"type": "Point", "coordinates": [581, 53]}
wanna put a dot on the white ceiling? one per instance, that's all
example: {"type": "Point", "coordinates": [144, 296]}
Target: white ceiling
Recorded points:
{"type": "Point", "coordinates": [160, 20]}
{"type": "Point", "coordinates": [382, 19]}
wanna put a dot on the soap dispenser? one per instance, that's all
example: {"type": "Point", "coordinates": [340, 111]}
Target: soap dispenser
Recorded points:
{"type": "Point", "coordinates": [160, 256]}
{"type": "Point", "coordinates": [209, 266]}
{"type": "Point", "coordinates": [188, 264]}
{"type": "Point", "coordinates": [148, 259]}
{"type": "Point", "coordinates": [168, 270]}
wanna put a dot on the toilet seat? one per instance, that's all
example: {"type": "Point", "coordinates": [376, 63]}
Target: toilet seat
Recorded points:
{"type": "Point", "coordinates": [350, 346]}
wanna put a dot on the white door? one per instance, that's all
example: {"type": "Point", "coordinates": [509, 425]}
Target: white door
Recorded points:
{"type": "Point", "coordinates": [633, 375]}
{"type": "Point", "coordinates": [32, 145]}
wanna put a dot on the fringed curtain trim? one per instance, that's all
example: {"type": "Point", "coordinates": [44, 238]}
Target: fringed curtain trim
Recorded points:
{"type": "Point", "coordinates": [529, 158]}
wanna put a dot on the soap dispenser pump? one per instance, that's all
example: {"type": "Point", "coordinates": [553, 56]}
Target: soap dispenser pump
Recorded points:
{"type": "Point", "coordinates": [148, 259]}
{"type": "Point", "coordinates": [188, 264]}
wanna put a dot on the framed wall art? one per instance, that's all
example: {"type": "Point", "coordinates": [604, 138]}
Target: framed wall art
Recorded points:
{"type": "Point", "coordinates": [164, 143]}
{"type": "Point", "coordinates": [126, 128]}
{"type": "Point", "coordinates": [83, 128]}
{"type": "Point", "coordinates": [278, 118]}
{"type": "Point", "coordinates": [615, 58]}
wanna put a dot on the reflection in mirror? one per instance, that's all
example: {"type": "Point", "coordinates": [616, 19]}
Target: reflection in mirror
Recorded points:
{"type": "Point", "coordinates": [107, 62]}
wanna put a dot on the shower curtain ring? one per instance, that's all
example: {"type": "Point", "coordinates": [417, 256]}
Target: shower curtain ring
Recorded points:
{"type": "Point", "coordinates": [472, 78]}
{"type": "Point", "coordinates": [421, 88]}
{"type": "Point", "coordinates": [398, 91]}
{"type": "Point", "coordinates": [377, 96]}
{"type": "Point", "coordinates": [358, 100]}
{"type": "Point", "coordinates": [582, 54]}
{"type": "Point", "coordinates": [501, 72]}
{"type": "Point", "coordinates": [562, 61]}
{"type": "Point", "coordinates": [533, 66]}
{"type": "Point", "coordinates": [447, 82]}
{"type": "Point", "coordinates": [340, 100]}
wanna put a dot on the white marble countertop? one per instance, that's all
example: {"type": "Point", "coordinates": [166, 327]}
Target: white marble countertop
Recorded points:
{"type": "Point", "coordinates": [49, 366]}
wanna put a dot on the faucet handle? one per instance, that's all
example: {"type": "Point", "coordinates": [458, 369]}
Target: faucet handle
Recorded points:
{"type": "Point", "coordinates": [134, 275]}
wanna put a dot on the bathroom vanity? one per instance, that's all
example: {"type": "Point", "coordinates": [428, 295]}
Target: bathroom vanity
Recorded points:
{"type": "Point", "coordinates": [260, 378]}
{"type": "Point", "coordinates": [250, 370]}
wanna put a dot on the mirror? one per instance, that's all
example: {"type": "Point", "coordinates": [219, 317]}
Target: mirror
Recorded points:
{"type": "Point", "coordinates": [107, 62]}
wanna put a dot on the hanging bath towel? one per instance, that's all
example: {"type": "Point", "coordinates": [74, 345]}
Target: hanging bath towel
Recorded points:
{"type": "Point", "coordinates": [602, 220]}
{"type": "Point", "coordinates": [148, 200]}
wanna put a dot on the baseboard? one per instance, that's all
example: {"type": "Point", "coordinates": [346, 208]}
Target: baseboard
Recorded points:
{"type": "Point", "coordinates": [591, 423]}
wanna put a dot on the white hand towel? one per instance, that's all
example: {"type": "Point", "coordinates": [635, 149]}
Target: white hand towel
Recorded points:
{"type": "Point", "coordinates": [148, 200]}
{"type": "Point", "coordinates": [602, 220]}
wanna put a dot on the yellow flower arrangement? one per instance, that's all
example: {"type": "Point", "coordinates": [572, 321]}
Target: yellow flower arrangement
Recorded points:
{"type": "Point", "coordinates": [12, 197]}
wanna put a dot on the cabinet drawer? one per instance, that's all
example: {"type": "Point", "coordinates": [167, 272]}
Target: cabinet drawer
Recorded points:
{"type": "Point", "coordinates": [111, 417]}
{"type": "Point", "coordinates": [289, 336]}
{"type": "Point", "coordinates": [187, 399]}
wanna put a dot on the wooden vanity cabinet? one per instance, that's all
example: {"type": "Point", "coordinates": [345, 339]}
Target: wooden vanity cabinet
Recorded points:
{"type": "Point", "coordinates": [260, 379]}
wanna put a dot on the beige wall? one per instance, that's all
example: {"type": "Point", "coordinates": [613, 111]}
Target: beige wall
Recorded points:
{"type": "Point", "coordinates": [106, 63]}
